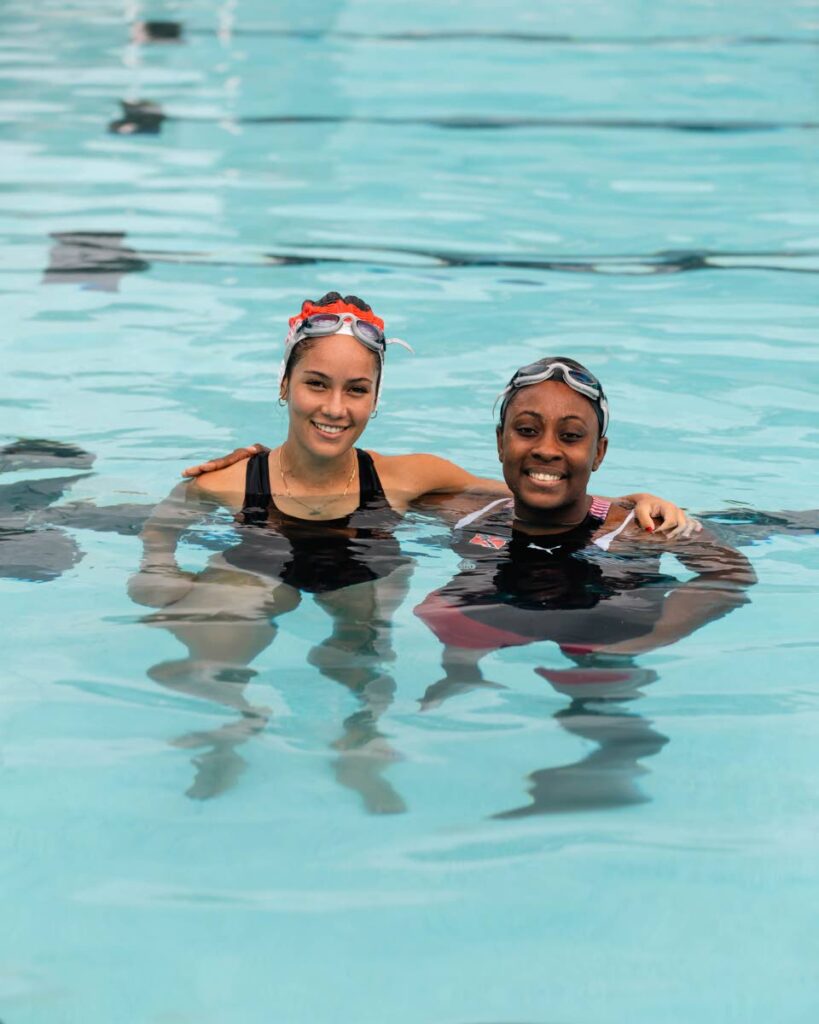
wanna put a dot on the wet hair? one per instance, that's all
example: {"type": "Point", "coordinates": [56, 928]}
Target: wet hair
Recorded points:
{"type": "Point", "coordinates": [301, 348]}
{"type": "Point", "coordinates": [532, 369]}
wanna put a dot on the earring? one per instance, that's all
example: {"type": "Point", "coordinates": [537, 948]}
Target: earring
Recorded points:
{"type": "Point", "coordinates": [373, 414]}
{"type": "Point", "coordinates": [282, 402]}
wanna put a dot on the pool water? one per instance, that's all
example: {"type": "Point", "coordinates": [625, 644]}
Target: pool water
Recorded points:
{"type": "Point", "coordinates": [633, 184]}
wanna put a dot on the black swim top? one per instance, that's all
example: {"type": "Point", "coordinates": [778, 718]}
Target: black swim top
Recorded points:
{"type": "Point", "coordinates": [312, 555]}
{"type": "Point", "coordinates": [259, 501]}
{"type": "Point", "coordinates": [516, 587]}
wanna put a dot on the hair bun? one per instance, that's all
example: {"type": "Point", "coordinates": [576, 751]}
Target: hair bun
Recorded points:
{"type": "Point", "coordinates": [355, 301]}
{"type": "Point", "coordinates": [331, 297]}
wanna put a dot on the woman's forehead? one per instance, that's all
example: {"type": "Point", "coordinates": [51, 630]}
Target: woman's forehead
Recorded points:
{"type": "Point", "coordinates": [552, 399]}
{"type": "Point", "coordinates": [338, 353]}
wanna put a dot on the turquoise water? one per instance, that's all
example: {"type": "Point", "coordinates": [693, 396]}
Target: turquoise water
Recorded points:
{"type": "Point", "coordinates": [633, 184]}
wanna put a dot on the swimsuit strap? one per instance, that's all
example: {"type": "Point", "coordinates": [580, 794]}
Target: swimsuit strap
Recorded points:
{"type": "Point", "coordinates": [599, 509]}
{"type": "Point", "coordinates": [604, 542]}
{"type": "Point", "coordinates": [473, 516]}
{"type": "Point", "coordinates": [257, 489]}
{"type": "Point", "coordinates": [369, 483]}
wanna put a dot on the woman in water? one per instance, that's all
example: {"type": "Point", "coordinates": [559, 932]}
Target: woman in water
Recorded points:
{"type": "Point", "coordinates": [317, 517]}
{"type": "Point", "coordinates": [552, 562]}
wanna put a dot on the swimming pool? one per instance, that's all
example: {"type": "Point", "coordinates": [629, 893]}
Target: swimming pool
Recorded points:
{"type": "Point", "coordinates": [637, 187]}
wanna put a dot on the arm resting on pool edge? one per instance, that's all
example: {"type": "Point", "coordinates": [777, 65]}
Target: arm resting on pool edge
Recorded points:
{"type": "Point", "coordinates": [160, 581]}
{"type": "Point", "coordinates": [723, 576]}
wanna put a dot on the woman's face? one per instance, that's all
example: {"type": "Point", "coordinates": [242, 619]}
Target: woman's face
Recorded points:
{"type": "Point", "coordinates": [549, 447]}
{"type": "Point", "coordinates": [330, 393]}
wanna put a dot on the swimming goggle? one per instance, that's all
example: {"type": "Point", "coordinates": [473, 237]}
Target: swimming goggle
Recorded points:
{"type": "Point", "coordinates": [577, 377]}
{"type": "Point", "coordinates": [339, 318]}
{"type": "Point", "coordinates": [320, 324]}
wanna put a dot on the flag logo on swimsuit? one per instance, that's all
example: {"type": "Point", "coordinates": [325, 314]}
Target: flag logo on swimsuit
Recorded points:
{"type": "Point", "coordinates": [483, 540]}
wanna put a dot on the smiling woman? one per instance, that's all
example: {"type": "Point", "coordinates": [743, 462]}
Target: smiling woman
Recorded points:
{"type": "Point", "coordinates": [555, 563]}
{"type": "Point", "coordinates": [552, 447]}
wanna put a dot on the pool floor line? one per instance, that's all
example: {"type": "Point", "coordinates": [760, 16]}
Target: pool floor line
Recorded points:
{"type": "Point", "coordinates": [79, 255]}
{"type": "Point", "coordinates": [174, 31]}
{"type": "Point", "coordinates": [146, 117]}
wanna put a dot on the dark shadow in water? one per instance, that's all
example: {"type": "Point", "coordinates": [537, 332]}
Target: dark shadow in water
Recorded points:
{"type": "Point", "coordinates": [746, 526]}
{"type": "Point", "coordinates": [33, 545]}
{"type": "Point", "coordinates": [607, 777]}
{"type": "Point", "coordinates": [99, 259]}
{"type": "Point", "coordinates": [147, 117]}
{"type": "Point", "coordinates": [28, 550]}
{"type": "Point", "coordinates": [139, 117]}
{"type": "Point", "coordinates": [95, 259]}
{"type": "Point", "coordinates": [156, 32]}
{"type": "Point", "coordinates": [597, 688]}
{"type": "Point", "coordinates": [488, 35]}
{"type": "Point", "coordinates": [40, 453]}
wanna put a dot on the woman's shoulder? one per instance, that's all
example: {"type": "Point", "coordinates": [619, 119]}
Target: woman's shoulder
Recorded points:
{"type": "Point", "coordinates": [227, 484]}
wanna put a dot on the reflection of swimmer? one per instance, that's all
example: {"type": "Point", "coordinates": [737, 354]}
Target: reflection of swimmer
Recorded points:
{"type": "Point", "coordinates": [555, 564]}
{"type": "Point", "coordinates": [605, 778]}
{"type": "Point", "coordinates": [608, 776]}
{"type": "Point", "coordinates": [317, 516]}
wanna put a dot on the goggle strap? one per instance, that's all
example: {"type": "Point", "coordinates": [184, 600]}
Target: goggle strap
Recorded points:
{"type": "Point", "coordinates": [401, 342]}
{"type": "Point", "coordinates": [582, 389]}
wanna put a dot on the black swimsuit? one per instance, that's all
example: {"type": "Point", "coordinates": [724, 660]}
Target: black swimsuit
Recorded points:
{"type": "Point", "coordinates": [515, 588]}
{"type": "Point", "coordinates": [317, 556]}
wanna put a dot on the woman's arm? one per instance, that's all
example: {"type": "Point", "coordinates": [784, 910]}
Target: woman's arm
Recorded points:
{"type": "Point", "coordinates": [723, 576]}
{"type": "Point", "coordinates": [160, 581]}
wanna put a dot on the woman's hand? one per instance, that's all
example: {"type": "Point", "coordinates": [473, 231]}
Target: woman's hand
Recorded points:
{"type": "Point", "coordinates": [237, 455]}
{"type": "Point", "coordinates": [675, 524]}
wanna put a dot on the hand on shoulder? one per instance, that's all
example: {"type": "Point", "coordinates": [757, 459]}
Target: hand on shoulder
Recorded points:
{"type": "Point", "coordinates": [225, 461]}
{"type": "Point", "coordinates": [228, 484]}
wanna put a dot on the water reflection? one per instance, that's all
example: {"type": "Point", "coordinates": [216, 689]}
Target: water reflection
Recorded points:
{"type": "Point", "coordinates": [226, 616]}
{"type": "Point", "coordinates": [608, 776]}
{"type": "Point", "coordinates": [96, 260]}
{"type": "Point", "coordinates": [30, 547]}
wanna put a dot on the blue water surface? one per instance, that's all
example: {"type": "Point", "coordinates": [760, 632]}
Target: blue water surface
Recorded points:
{"type": "Point", "coordinates": [634, 184]}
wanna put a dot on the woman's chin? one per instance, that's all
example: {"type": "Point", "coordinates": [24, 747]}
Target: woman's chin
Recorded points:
{"type": "Point", "coordinates": [555, 504]}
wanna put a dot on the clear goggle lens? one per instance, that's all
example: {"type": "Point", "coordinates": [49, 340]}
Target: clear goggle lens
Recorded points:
{"type": "Point", "coordinates": [328, 323]}
{"type": "Point", "coordinates": [537, 372]}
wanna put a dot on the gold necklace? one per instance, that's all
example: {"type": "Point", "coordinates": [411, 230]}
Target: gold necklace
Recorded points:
{"type": "Point", "coordinates": [312, 509]}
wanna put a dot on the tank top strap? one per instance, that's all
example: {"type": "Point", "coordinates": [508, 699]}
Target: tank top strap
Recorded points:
{"type": "Point", "coordinates": [474, 517]}
{"type": "Point", "coordinates": [605, 541]}
{"type": "Point", "coordinates": [257, 489]}
{"type": "Point", "coordinates": [368, 480]}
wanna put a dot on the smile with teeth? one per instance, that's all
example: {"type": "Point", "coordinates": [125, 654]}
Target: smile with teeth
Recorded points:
{"type": "Point", "coordinates": [327, 428]}
{"type": "Point", "coordinates": [542, 477]}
